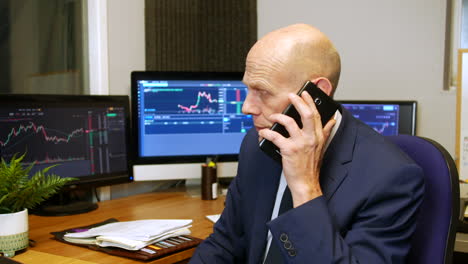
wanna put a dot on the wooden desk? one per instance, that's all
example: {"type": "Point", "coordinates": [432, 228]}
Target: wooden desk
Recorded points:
{"type": "Point", "coordinates": [158, 205]}
{"type": "Point", "coordinates": [461, 243]}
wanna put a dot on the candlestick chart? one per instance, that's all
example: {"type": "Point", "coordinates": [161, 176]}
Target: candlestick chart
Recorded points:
{"type": "Point", "coordinates": [62, 136]}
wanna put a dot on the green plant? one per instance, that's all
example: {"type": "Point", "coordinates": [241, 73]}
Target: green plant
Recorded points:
{"type": "Point", "coordinates": [19, 190]}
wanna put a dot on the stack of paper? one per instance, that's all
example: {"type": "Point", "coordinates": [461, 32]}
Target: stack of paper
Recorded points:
{"type": "Point", "coordinates": [213, 218]}
{"type": "Point", "coordinates": [132, 235]}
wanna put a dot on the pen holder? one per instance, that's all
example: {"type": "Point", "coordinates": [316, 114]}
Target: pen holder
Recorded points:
{"type": "Point", "coordinates": [209, 183]}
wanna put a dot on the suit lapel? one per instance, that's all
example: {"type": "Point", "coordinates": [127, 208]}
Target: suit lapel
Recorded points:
{"type": "Point", "coordinates": [338, 155]}
{"type": "Point", "coordinates": [268, 173]}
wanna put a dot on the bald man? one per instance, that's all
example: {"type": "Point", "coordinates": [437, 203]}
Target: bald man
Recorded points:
{"type": "Point", "coordinates": [341, 194]}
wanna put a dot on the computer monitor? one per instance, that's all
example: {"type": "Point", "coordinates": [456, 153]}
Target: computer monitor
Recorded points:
{"type": "Point", "coordinates": [386, 117]}
{"type": "Point", "coordinates": [186, 117]}
{"type": "Point", "coordinates": [86, 136]}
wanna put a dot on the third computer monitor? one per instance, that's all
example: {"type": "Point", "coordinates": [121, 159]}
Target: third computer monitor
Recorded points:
{"type": "Point", "coordinates": [386, 117]}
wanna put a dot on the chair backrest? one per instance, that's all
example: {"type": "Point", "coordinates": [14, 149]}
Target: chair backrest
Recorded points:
{"type": "Point", "coordinates": [434, 238]}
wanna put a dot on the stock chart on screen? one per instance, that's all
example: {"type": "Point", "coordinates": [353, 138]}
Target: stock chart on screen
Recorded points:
{"type": "Point", "coordinates": [383, 118]}
{"type": "Point", "coordinates": [191, 117]}
{"type": "Point", "coordinates": [194, 110]}
{"type": "Point", "coordinates": [387, 117]}
{"type": "Point", "coordinates": [84, 141]}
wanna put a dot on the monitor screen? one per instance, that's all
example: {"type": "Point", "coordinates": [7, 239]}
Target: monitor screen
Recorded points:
{"type": "Point", "coordinates": [181, 117]}
{"type": "Point", "coordinates": [87, 137]}
{"type": "Point", "coordinates": [386, 117]}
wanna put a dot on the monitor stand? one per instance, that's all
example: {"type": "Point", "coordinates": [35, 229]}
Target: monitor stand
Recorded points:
{"type": "Point", "coordinates": [69, 201]}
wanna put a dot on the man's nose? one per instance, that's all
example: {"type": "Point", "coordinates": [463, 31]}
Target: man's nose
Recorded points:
{"type": "Point", "coordinates": [249, 107]}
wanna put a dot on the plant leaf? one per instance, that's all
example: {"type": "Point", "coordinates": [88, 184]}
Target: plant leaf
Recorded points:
{"type": "Point", "coordinates": [19, 191]}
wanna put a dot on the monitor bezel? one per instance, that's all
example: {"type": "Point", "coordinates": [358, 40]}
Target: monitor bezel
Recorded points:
{"type": "Point", "coordinates": [54, 100]}
{"type": "Point", "coordinates": [173, 75]}
{"type": "Point", "coordinates": [411, 103]}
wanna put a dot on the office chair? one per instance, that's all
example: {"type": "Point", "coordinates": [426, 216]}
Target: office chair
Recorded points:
{"type": "Point", "coordinates": [434, 237]}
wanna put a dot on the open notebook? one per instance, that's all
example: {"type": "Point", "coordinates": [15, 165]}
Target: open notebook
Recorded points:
{"type": "Point", "coordinates": [162, 247]}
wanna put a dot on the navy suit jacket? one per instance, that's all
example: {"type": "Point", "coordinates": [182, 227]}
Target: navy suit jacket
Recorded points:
{"type": "Point", "coordinates": [371, 195]}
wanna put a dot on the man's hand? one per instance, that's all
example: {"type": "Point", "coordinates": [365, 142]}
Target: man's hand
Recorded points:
{"type": "Point", "coordinates": [303, 151]}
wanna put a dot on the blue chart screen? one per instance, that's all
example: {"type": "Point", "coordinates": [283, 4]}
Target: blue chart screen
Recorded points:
{"type": "Point", "coordinates": [184, 117]}
{"type": "Point", "coordinates": [383, 118]}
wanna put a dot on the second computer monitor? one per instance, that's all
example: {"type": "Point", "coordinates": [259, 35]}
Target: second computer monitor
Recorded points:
{"type": "Point", "coordinates": [188, 116]}
{"type": "Point", "coordinates": [386, 117]}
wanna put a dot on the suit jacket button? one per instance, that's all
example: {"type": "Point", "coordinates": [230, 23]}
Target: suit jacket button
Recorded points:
{"type": "Point", "coordinates": [292, 252]}
{"type": "Point", "coordinates": [287, 245]}
{"type": "Point", "coordinates": [283, 237]}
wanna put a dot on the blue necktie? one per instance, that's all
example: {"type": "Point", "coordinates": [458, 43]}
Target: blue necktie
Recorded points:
{"type": "Point", "coordinates": [274, 254]}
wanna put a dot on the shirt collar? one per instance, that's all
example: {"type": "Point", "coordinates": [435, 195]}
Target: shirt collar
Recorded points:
{"type": "Point", "coordinates": [338, 118]}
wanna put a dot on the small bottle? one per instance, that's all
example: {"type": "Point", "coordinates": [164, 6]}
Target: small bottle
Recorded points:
{"type": "Point", "coordinates": [209, 181]}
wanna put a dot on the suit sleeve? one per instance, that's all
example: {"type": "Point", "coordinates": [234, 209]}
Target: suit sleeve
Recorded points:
{"type": "Point", "coordinates": [380, 230]}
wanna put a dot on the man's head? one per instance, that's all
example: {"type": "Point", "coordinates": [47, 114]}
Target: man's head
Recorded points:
{"type": "Point", "coordinates": [281, 62]}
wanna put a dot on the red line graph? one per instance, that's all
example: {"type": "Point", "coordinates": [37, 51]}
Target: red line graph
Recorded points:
{"type": "Point", "coordinates": [39, 129]}
{"type": "Point", "coordinates": [201, 94]}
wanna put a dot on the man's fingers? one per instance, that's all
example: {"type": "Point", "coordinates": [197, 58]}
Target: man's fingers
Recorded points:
{"type": "Point", "coordinates": [310, 116]}
{"type": "Point", "coordinates": [288, 122]}
{"type": "Point", "coordinates": [272, 136]}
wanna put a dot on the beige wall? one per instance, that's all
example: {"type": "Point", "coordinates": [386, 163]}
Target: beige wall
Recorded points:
{"type": "Point", "coordinates": [126, 41]}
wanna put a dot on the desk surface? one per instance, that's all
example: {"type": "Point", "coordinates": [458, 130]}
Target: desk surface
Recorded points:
{"type": "Point", "coordinates": [158, 205]}
{"type": "Point", "coordinates": [461, 242]}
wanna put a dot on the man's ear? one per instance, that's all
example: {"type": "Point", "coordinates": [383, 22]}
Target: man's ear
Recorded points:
{"type": "Point", "coordinates": [324, 84]}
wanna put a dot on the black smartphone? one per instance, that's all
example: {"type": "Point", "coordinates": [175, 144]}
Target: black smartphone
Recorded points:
{"type": "Point", "coordinates": [326, 107]}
